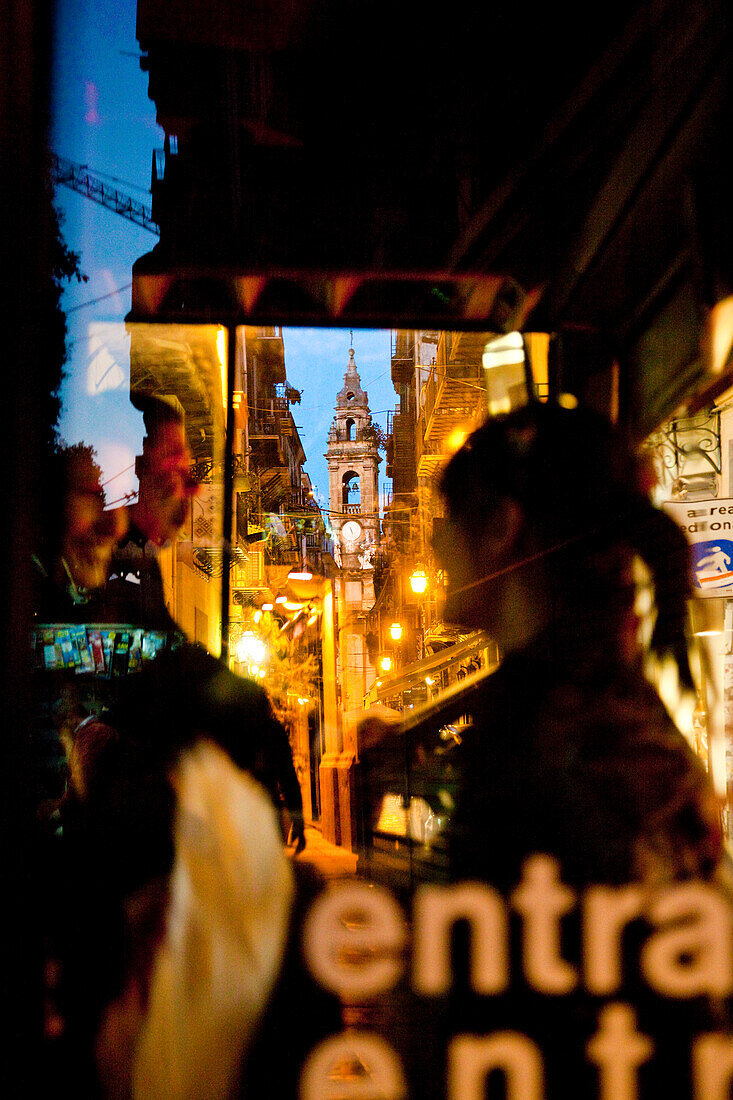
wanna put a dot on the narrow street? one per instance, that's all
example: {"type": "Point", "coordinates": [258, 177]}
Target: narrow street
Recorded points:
{"type": "Point", "coordinates": [331, 860]}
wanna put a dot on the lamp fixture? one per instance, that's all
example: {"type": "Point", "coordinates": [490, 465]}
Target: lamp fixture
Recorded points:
{"type": "Point", "coordinates": [251, 650]}
{"type": "Point", "coordinates": [418, 580]}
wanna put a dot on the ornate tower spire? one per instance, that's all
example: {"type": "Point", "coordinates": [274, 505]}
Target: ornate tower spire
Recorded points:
{"type": "Point", "coordinates": [353, 463]}
{"type": "Point", "coordinates": [351, 395]}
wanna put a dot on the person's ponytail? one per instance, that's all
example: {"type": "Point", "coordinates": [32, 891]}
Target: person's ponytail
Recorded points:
{"type": "Point", "coordinates": [663, 547]}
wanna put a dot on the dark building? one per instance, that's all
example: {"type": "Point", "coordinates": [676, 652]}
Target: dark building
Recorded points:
{"type": "Point", "coordinates": [534, 153]}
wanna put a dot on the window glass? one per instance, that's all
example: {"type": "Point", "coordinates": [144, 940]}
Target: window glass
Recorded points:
{"type": "Point", "coordinates": [245, 551]}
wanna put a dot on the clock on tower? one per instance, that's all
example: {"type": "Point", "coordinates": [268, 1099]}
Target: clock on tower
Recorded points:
{"type": "Point", "coordinates": [351, 531]}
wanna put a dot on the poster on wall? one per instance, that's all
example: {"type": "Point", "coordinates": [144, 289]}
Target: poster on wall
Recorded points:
{"type": "Point", "coordinates": [708, 525]}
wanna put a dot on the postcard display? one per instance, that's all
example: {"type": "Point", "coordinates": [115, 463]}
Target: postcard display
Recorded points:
{"type": "Point", "coordinates": [79, 669]}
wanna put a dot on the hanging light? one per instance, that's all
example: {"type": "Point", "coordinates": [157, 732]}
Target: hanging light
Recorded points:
{"type": "Point", "coordinates": [250, 649]}
{"type": "Point", "coordinates": [396, 631]}
{"type": "Point", "coordinates": [418, 580]}
{"type": "Point", "coordinates": [385, 663]}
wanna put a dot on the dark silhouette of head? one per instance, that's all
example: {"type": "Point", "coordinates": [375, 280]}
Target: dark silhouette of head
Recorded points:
{"type": "Point", "coordinates": [555, 499]}
{"type": "Point", "coordinates": [166, 484]}
{"type": "Point", "coordinates": [81, 530]}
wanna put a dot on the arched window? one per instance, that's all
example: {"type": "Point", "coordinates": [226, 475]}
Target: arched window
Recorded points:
{"type": "Point", "coordinates": [350, 432]}
{"type": "Point", "coordinates": [351, 490]}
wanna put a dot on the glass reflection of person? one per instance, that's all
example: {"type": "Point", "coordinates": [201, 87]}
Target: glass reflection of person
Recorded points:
{"type": "Point", "coordinates": [570, 753]}
{"type": "Point", "coordinates": [80, 538]}
{"type": "Point", "coordinates": [545, 514]}
{"type": "Point", "coordinates": [166, 488]}
{"type": "Point", "coordinates": [166, 485]}
{"type": "Point", "coordinates": [70, 566]}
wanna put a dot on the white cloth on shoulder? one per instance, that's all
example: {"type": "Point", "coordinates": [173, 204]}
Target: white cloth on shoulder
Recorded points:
{"type": "Point", "coordinates": [226, 926]}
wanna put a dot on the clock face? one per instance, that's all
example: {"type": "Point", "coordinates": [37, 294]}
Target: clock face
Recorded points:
{"type": "Point", "coordinates": [351, 530]}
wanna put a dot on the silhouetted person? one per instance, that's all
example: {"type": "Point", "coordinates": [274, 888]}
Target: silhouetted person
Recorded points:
{"type": "Point", "coordinates": [181, 923]}
{"type": "Point", "coordinates": [79, 538]}
{"type": "Point", "coordinates": [134, 592]}
{"type": "Point", "coordinates": [544, 514]}
{"type": "Point", "coordinates": [70, 567]}
{"type": "Point", "coordinates": [569, 754]}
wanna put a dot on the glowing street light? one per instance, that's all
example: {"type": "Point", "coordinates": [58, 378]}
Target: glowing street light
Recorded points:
{"type": "Point", "coordinates": [396, 631]}
{"type": "Point", "coordinates": [251, 650]}
{"type": "Point", "coordinates": [385, 663]}
{"type": "Point", "coordinates": [418, 580]}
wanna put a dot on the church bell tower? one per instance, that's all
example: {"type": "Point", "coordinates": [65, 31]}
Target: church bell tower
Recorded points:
{"type": "Point", "coordinates": [353, 473]}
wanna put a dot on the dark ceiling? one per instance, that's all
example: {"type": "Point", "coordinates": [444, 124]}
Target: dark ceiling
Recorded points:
{"type": "Point", "coordinates": [580, 152]}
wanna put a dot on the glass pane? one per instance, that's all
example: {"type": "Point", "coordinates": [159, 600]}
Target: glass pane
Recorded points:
{"type": "Point", "coordinates": [186, 364]}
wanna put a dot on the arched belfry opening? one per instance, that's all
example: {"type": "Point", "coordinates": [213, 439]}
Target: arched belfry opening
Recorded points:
{"type": "Point", "coordinates": [350, 430]}
{"type": "Point", "coordinates": [351, 493]}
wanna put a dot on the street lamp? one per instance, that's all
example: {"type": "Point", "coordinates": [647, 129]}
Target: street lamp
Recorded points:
{"type": "Point", "coordinates": [395, 631]}
{"type": "Point", "coordinates": [385, 663]}
{"type": "Point", "coordinates": [419, 580]}
{"type": "Point", "coordinates": [251, 650]}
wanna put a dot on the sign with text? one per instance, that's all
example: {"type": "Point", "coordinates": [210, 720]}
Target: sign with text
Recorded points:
{"type": "Point", "coordinates": [708, 525]}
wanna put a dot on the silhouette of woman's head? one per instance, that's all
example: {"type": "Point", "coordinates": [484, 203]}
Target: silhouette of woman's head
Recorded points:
{"type": "Point", "coordinates": [554, 498]}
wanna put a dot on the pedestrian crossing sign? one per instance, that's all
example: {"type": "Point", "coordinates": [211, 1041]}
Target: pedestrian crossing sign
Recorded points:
{"type": "Point", "coordinates": [712, 566]}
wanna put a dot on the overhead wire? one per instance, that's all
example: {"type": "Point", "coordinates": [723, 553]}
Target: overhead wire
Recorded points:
{"type": "Point", "coordinates": [94, 301]}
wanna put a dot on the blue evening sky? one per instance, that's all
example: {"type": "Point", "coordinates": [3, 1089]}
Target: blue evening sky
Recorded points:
{"type": "Point", "coordinates": [102, 118]}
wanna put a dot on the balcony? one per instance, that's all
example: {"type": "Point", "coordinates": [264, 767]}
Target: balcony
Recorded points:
{"type": "Point", "coordinates": [430, 460]}
{"type": "Point", "coordinates": [454, 396]}
{"type": "Point", "coordinates": [403, 453]}
{"type": "Point", "coordinates": [266, 344]}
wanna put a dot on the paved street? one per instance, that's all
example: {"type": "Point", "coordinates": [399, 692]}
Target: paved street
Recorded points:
{"type": "Point", "coordinates": [330, 860]}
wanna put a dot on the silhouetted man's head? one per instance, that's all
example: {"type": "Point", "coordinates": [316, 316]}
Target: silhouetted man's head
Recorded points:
{"type": "Point", "coordinates": [164, 472]}
{"type": "Point", "coordinates": [86, 530]}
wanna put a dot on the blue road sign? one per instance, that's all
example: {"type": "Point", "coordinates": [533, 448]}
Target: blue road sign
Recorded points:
{"type": "Point", "coordinates": [712, 566]}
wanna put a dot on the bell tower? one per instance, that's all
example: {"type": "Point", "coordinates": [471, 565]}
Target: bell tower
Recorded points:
{"type": "Point", "coordinates": [353, 473]}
